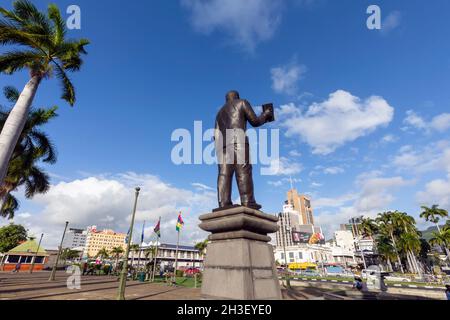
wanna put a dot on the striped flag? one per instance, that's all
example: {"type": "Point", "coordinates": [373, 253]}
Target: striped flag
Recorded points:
{"type": "Point", "coordinates": [180, 223]}
{"type": "Point", "coordinates": [157, 229]}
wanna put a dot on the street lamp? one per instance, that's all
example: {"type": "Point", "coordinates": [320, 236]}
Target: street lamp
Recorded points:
{"type": "Point", "coordinates": [35, 255]}
{"type": "Point", "coordinates": [53, 274]}
{"type": "Point", "coordinates": [123, 275]}
{"type": "Point", "coordinates": [285, 229]}
{"type": "Point", "coordinates": [358, 243]}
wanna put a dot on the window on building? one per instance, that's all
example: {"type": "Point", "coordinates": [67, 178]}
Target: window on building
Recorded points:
{"type": "Point", "coordinates": [291, 257]}
{"type": "Point", "coordinates": [300, 255]}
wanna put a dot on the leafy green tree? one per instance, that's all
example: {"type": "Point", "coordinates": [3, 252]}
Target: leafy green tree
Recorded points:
{"type": "Point", "coordinates": [38, 43]}
{"type": "Point", "coordinates": [11, 236]}
{"type": "Point", "coordinates": [33, 147]}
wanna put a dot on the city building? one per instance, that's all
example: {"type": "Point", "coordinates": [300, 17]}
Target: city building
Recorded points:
{"type": "Point", "coordinates": [75, 239]}
{"type": "Point", "coordinates": [25, 253]}
{"type": "Point", "coordinates": [188, 256]}
{"type": "Point", "coordinates": [98, 240]}
{"type": "Point", "coordinates": [309, 255]}
{"type": "Point", "coordinates": [301, 204]}
{"type": "Point", "coordinates": [292, 231]}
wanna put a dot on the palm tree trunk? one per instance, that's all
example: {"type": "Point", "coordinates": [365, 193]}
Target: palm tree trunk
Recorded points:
{"type": "Point", "coordinates": [14, 124]}
{"type": "Point", "coordinates": [410, 264]}
{"type": "Point", "coordinates": [389, 264]}
{"type": "Point", "coordinates": [398, 255]}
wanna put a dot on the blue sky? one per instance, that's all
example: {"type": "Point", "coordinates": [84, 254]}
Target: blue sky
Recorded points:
{"type": "Point", "coordinates": [381, 96]}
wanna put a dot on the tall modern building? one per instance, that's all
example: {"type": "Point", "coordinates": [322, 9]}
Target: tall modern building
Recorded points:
{"type": "Point", "coordinates": [98, 240]}
{"type": "Point", "coordinates": [301, 204]}
{"type": "Point", "coordinates": [75, 238]}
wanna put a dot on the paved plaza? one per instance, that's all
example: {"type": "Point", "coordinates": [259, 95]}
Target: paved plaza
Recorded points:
{"type": "Point", "coordinates": [25, 286]}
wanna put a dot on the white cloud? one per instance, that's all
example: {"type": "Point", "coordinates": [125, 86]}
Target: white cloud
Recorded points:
{"type": "Point", "coordinates": [375, 195]}
{"type": "Point", "coordinates": [342, 118]}
{"type": "Point", "coordinates": [391, 22]}
{"type": "Point", "coordinates": [432, 157]}
{"type": "Point", "coordinates": [201, 186]}
{"type": "Point", "coordinates": [284, 182]}
{"type": "Point", "coordinates": [283, 167]}
{"type": "Point", "coordinates": [295, 153]}
{"type": "Point", "coordinates": [440, 123]}
{"type": "Point", "coordinates": [333, 170]}
{"type": "Point", "coordinates": [245, 23]}
{"type": "Point", "coordinates": [438, 191]}
{"type": "Point", "coordinates": [285, 78]}
{"type": "Point", "coordinates": [107, 202]}
{"type": "Point", "coordinates": [389, 138]}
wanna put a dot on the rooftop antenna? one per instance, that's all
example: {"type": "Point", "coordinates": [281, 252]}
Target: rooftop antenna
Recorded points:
{"type": "Point", "coordinates": [292, 185]}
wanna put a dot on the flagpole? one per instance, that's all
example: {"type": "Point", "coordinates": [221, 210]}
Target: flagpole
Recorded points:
{"type": "Point", "coordinates": [156, 256]}
{"type": "Point", "coordinates": [176, 258]}
{"type": "Point", "coordinates": [140, 248]}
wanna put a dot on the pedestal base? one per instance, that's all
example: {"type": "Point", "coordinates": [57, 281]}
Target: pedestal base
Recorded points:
{"type": "Point", "coordinates": [239, 263]}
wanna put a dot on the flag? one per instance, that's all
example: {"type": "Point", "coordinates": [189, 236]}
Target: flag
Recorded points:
{"type": "Point", "coordinates": [128, 235]}
{"type": "Point", "coordinates": [157, 229]}
{"type": "Point", "coordinates": [180, 223]}
{"type": "Point", "coordinates": [143, 231]}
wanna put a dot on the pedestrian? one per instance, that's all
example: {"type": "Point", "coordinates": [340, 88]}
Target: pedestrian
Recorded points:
{"type": "Point", "coordinates": [447, 291]}
{"type": "Point", "coordinates": [17, 267]}
{"type": "Point", "coordinates": [358, 284]}
{"type": "Point", "coordinates": [85, 266]}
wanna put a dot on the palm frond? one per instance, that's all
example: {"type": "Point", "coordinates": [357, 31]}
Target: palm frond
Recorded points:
{"type": "Point", "coordinates": [37, 182]}
{"type": "Point", "coordinates": [59, 32]}
{"type": "Point", "coordinates": [9, 206]}
{"type": "Point", "coordinates": [11, 93]}
{"type": "Point", "coordinates": [30, 15]}
{"type": "Point", "coordinates": [46, 148]}
{"type": "Point", "coordinates": [67, 86]}
{"type": "Point", "coordinates": [11, 62]}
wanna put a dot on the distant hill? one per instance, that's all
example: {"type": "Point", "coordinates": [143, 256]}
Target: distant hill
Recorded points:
{"type": "Point", "coordinates": [427, 234]}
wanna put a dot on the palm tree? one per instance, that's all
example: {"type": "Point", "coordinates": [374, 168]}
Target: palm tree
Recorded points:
{"type": "Point", "coordinates": [410, 238]}
{"type": "Point", "coordinates": [33, 146]}
{"type": "Point", "coordinates": [201, 247]}
{"type": "Point", "coordinates": [442, 239]}
{"type": "Point", "coordinates": [39, 45]}
{"type": "Point", "coordinates": [387, 227]}
{"type": "Point", "coordinates": [434, 214]}
{"type": "Point", "coordinates": [117, 252]}
{"type": "Point", "coordinates": [368, 227]}
{"type": "Point", "coordinates": [69, 254]}
{"type": "Point", "coordinates": [386, 249]}
{"type": "Point", "coordinates": [103, 254]}
{"type": "Point", "coordinates": [133, 249]}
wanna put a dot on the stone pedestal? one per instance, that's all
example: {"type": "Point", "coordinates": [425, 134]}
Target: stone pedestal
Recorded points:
{"type": "Point", "coordinates": [239, 262]}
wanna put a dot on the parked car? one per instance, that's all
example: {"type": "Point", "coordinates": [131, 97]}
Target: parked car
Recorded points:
{"type": "Point", "coordinates": [310, 273]}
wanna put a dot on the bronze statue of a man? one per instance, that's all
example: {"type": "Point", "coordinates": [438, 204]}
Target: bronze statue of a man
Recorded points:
{"type": "Point", "coordinates": [232, 148]}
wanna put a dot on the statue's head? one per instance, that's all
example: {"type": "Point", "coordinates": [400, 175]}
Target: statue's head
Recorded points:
{"type": "Point", "coordinates": [232, 95]}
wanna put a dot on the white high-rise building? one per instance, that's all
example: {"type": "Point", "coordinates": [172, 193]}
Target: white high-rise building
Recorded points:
{"type": "Point", "coordinates": [75, 238]}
